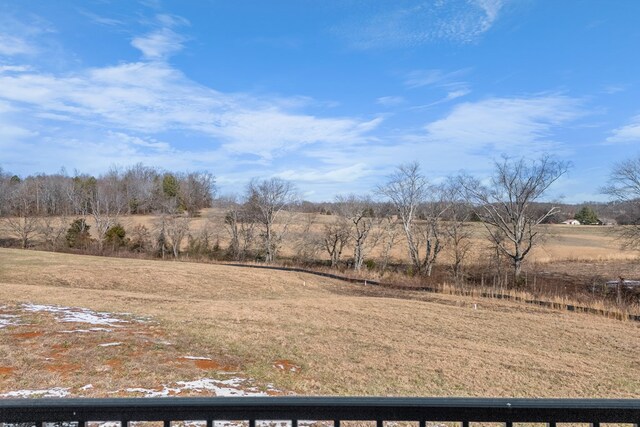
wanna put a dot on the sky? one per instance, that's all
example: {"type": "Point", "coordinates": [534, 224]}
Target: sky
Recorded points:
{"type": "Point", "coordinates": [330, 94]}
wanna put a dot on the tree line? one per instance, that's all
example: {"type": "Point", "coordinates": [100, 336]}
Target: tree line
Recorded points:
{"type": "Point", "coordinates": [426, 217]}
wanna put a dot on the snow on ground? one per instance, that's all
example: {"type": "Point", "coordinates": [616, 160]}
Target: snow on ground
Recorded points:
{"type": "Point", "coordinates": [230, 387]}
{"type": "Point", "coordinates": [76, 315]}
{"type": "Point", "coordinates": [263, 423]}
{"type": "Point", "coordinates": [53, 392]}
{"type": "Point", "coordinates": [7, 320]}
{"type": "Point", "coordinates": [107, 322]}
{"type": "Point", "coordinates": [87, 331]}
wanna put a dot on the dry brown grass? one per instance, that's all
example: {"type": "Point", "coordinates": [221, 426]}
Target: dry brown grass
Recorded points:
{"type": "Point", "coordinates": [347, 339]}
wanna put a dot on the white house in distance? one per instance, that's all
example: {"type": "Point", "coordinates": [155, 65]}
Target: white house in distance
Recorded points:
{"type": "Point", "coordinates": [571, 222]}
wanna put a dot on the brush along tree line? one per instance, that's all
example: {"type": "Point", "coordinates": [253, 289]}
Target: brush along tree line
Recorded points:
{"type": "Point", "coordinates": [428, 216]}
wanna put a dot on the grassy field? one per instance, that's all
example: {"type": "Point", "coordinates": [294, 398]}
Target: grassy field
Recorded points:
{"type": "Point", "coordinates": [281, 332]}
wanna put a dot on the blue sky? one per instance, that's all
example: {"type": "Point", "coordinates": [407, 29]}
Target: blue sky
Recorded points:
{"type": "Point", "coordinates": [329, 94]}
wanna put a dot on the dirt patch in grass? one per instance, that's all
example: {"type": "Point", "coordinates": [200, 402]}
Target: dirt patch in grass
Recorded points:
{"type": "Point", "coordinates": [6, 370]}
{"type": "Point", "coordinates": [27, 335]}
{"type": "Point", "coordinates": [286, 366]}
{"type": "Point", "coordinates": [63, 368]}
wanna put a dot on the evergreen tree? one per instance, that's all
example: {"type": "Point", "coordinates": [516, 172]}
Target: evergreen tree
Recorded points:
{"type": "Point", "coordinates": [587, 216]}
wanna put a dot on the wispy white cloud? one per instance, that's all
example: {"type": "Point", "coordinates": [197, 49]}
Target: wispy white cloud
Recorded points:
{"type": "Point", "coordinates": [12, 45]}
{"type": "Point", "coordinates": [23, 38]}
{"type": "Point", "coordinates": [614, 88]}
{"type": "Point", "coordinates": [457, 94]}
{"type": "Point", "coordinates": [159, 44]}
{"type": "Point", "coordinates": [324, 174]}
{"type": "Point", "coordinates": [390, 101]}
{"type": "Point", "coordinates": [416, 22]}
{"type": "Point", "coordinates": [449, 82]}
{"type": "Point", "coordinates": [151, 97]}
{"type": "Point", "coordinates": [169, 20]}
{"type": "Point", "coordinates": [102, 20]}
{"type": "Point", "coordinates": [141, 142]}
{"type": "Point", "coordinates": [505, 124]}
{"type": "Point", "coordinates": [626, 134]}
{"type": "Point", "coordinates": [436, 77]}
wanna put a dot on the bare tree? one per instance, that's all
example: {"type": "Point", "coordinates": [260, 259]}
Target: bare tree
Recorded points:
{"type": "Point", "coordinates": [430, 233]}
{"type": "Point", "coordinates": [196, 190]}
{"type": "Point", "coordinates": [456, 226]}
{"type": "Point", "coordinates": [624, 186]}
{"type": "Point", "coordinates": [106, 203]}
{"type": "Point", "coordinates": [306, 243]}
{"type": "Point", "coordinates": [268, 198]}
{"type": "Point", "coordinates": [5, 189]}
{"type": "Point", "coordinates": [240, 225]}
{"type": "Point", "coordinates": [359, 214]}
{"type": "Point", "coordinates": [389, 233]}
{"type": "Point", "coordinates": [140, 240]}
{"type": "Point", "coordinates": [408, 191]}
{"type": "Point", "coordinates": [22, 220]}
{"type": "Point", "coordinates": [335, 236]}
{"type": "Point", "coordinates": [505, 205]}
{"type": "Point", "coordinates": [53, 229]}
{"type": "Point", "coordinates": [78, 192]}
{"type": "Point", "coordinates": [139, 185]}
{"type": "Point", "coordinates": [173, 230]}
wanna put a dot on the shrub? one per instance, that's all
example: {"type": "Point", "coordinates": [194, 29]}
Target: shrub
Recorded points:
{"type": "Point", "coordinates": [78, 234]}
{"type": "Point", "coordinates": [140, 239]}
{"type": "Point", "coordinates": [115, 236]}
{"type": "Point", "coordinates": [370, 264]}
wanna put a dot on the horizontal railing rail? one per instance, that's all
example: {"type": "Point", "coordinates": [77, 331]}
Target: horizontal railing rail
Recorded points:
{"type": "Point", "coordinates": [333, 409]}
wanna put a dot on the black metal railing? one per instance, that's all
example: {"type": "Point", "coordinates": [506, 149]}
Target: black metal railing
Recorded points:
{"type": "Point", "coordinates": [333, 409]}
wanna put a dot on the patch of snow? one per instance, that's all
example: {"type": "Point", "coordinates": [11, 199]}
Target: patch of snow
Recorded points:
{"type": "Point", "coordinates": [110, 344]}
{"type": "Point", "coordinates": [195, 358]}
{"type": "Point", "coordinates": [266, 423]}
{"type": "Point", "coordinates": [8, 320]}
{"type": "Point", "coordinates": [230, 387]}
{"type": "Point", "coordinates": [286, 367]}
{"type": "Point", "coordinates": [76, 315]}
{"type": "Point", "coordinates": [87, 387]}
{"type": "Point", "coordinates": [113, 423]}
{"type": "Point", "coordinates": [86, 331]}
{"type": "Point", "coordinates": [154, 393]}
{"type": "Point", "coordinates": [54, 392]}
